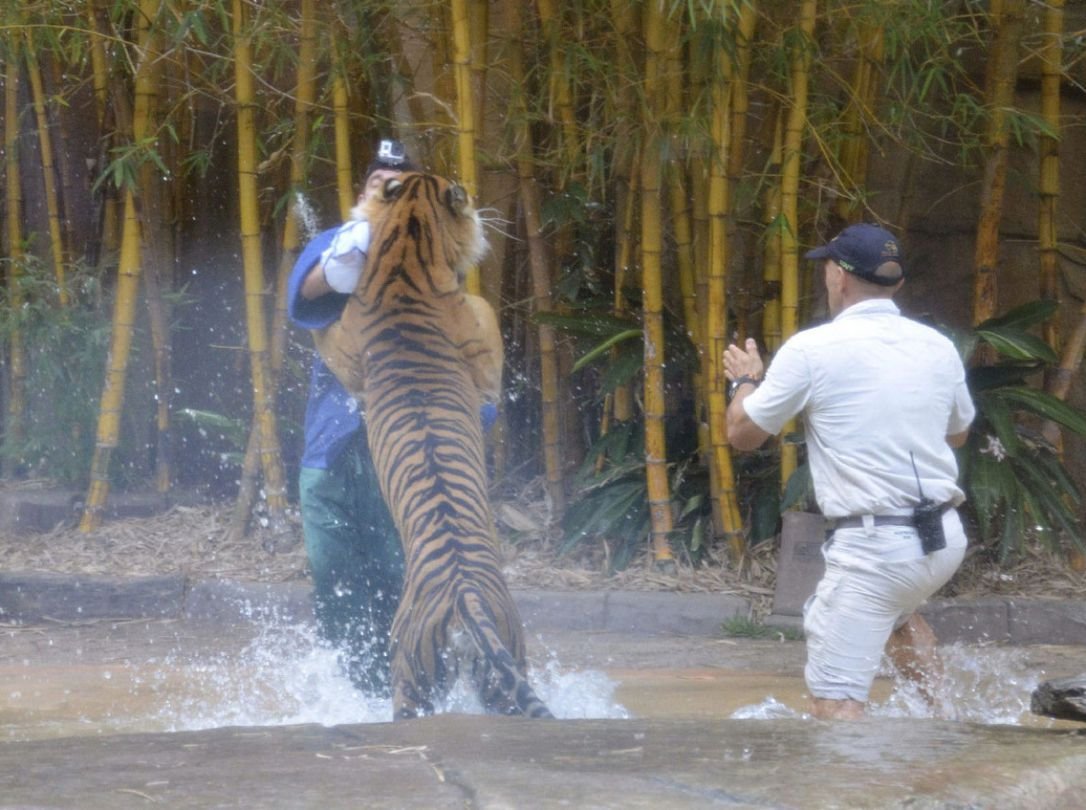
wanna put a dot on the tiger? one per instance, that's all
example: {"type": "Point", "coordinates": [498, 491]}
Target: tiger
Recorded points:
{"type": "Point", "coordinates": [421, 355]}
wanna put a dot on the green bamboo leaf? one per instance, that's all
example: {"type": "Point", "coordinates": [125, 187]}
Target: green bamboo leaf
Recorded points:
{"type": "Point", "coordinates": [624, 369]}
{"type": "Point", "coordinates": [603, 348]}
{"type": "Point", "coordinates": [999, 416]}
{"type": "Point", "coordinates": [1022, 317]}
{"type": "Point", "coordinates": [1051, 502]}
{"type": "Point", "coordinates": [1048, 406]}
{"type": "Point", "coordinates": [591, 324]}
{"type": "Point", "coordinates": [983, 378]}
{"type": "Point", "coordinates": [988, 483]}
{"type": "Point", "coordinates": [697, 535]}
{"type": "Point", "coordinates": [1018, 345]}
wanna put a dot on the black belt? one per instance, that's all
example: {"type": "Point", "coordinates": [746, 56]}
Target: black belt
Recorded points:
{"type": "Point", "coordinates": [857, 521]}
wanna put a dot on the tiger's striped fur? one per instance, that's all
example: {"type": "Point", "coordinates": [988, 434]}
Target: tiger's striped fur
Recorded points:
{"type": "Point", "coordinates": [420, 355]}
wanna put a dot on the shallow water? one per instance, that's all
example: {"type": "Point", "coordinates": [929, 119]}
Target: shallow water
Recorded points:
{"type": "Point", "coordinates": [282, 676]}
{"type": "Point", "coordinates": [62, 682]}
{"type": "Point", "coordinates": [982, 685]}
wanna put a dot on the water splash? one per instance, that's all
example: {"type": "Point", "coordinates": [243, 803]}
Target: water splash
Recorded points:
{"type": "Point", "coordinates": [991, 685]}
{"type": "Point", "coordinates": [987, 685]}
{"type": "Point", "coordinates": [287, 675]}
{"type": "Point", "coordinates": [768, 709]}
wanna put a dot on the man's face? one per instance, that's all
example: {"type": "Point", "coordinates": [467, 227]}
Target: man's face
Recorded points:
{"type": "Point", "coordinates": [377, 179]}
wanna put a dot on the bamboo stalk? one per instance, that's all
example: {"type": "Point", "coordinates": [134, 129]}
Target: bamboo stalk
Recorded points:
{"type": "Point", "coordinates": [771, 251]}
{"type": "Point", "coordinates": [626, 196]}
{"type": "Point", "coordinates": [854, 147]}
{"type": "Point", "coordinates": [1051, 54]}
{"type": "Point", "coordinates": [304, 96]}
{"type": "Point", "coordinates": [659, 489]}
{"type": "Point", "coordinates": [57, 246]}
{"type": "Point", "coordinates": [620, 406]}
{"type": "Point", "coordinates": [15, 423]}
{"type": "Point", "coordinates": [125, 296]}
{"type": "Point", "coordinates": [740, 113]}
{"type": "Point", "coordinates": [98, 20]}
{"type": "Point", "coordinates": [792, 157]}
{"type": "Point", "coordinates": [1003, 73]}
{"type": "Point", "coordinates": [465, 113]}
{"type": "Point", "coordinates": [252, 261]}
{"type": "Point", "coordinates": [528, 191]}
{"type": "Point", "coordinates": [559, 92]}
{"type": "Point", "coordinates": [722, 479]}
{"type": "Point", "coordinates": [157, 255]}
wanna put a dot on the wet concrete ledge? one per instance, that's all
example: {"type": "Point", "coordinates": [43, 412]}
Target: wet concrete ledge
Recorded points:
{"type": "Point", "coordinates": [34, 597]}
{"type": "Point", "coordinates": [453, 761]}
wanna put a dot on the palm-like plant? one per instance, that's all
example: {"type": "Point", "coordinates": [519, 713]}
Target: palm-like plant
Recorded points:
{"type": "Point", "coordinates": [1016, 485]}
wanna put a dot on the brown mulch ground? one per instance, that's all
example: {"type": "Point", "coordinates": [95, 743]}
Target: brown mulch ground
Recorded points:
{"type": "Point", "coordinates": [195, 541]}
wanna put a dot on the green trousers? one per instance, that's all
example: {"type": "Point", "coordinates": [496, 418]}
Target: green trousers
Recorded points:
{"type": "Point", "coordinates": [356, 562]}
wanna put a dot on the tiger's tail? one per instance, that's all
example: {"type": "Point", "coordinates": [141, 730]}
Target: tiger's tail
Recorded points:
{"type": "Point", "coordinates": [502, 682]}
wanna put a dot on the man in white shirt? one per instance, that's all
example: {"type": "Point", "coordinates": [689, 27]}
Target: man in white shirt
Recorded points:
{"type": "Point", "coordinates": [884, 401]}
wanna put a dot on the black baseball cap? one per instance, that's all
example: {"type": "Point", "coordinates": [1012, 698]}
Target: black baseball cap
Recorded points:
{"type": "Point", "coordinates": [391, 154]}
{"type": "Point", "coordinates": [867, 251]}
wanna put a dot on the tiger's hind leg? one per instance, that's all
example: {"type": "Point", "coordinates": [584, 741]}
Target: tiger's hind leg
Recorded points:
{"type": "Point", "coordinates": [410, 698]}
{"type": "Point", "coordinates": [505, 690]}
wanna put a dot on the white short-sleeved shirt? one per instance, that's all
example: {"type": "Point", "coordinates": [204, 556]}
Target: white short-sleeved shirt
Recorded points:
{"type": "Point", "coordinates": [873, 387]}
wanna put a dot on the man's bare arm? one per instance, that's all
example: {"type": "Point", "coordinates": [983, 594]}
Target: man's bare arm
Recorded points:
{"type": "Point", "coordinates": [957, 439]}
{"type": "Point", "coordinates": [743, 434]}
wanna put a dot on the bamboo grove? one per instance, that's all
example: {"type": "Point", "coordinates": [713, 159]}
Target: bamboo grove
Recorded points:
{"type": "Point", "coordinates": [651, 172]}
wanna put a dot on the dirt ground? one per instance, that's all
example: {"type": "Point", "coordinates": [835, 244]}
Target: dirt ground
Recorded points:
{"type": "Point", "coordinates": [195, 541]}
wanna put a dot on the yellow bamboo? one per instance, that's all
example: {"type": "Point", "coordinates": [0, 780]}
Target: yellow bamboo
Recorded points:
{"type": "Point", "coordinates": [659, 490]}
{"type": "Point", "coordinates": [252, 261]}
{"type": "Point", "coordinates": [740, 113]}
{"type": "Point", "coordinates": [99, 63]}
{"type": "Point", "coordinates": [465, 112]}
{"type": "Point", "coordinates": [528, 191]}
{"type": "Point", "coordinates": [125, 296]}
{"type": "Point", "coordinates": [341, 116]}
{"type": "Point", "coordinates": [790, 174]}
{"type": "Point", "coordinates": [1051, 53]}
{"type": "Point", "coordinates": [854, 146]}
{"type": "Point", "coordinates": [559, 92]}
{"type": "Point", "coordinates": [49, 173]}
{"type": "Point", "coordinates": [304, 96]}
{"type": "Point", "coordinates": [678, 197]}
{"type": "Point", "coordinates": [771, 250]}
{"type": "Point", "coordinates": [14, 427]}
{"type": "Point", "coordinates": [1002, 73]}
{"type": "Point", "coordinates": [622, 401]}
{"type": "Point", "coordinates": [726, 518]}
{"type": "Point", "coordinates": [480, 58]}
{"type": "Point", "coordinates": [157, 256]}
{"type": "Point", "coordinates": [620, 404]}
{"type": "Point", "coordinates": [98, 20]}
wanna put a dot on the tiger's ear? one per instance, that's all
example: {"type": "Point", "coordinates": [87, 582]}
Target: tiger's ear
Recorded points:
{"type": "Point", "coordinates": [456, 198]}
{"type": "Point", "coordinates": [393, 188]}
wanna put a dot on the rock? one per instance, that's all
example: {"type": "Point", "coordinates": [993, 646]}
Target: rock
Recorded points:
{"type": "Point", "coordinates": [1062, 698]}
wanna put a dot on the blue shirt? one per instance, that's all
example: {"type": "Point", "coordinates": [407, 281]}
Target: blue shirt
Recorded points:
{"type": "Point", "coordinates": [332, 416]}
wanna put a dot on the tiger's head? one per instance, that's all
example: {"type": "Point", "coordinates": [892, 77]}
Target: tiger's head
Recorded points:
{"type": "Point", "coordinates": [431, 205]}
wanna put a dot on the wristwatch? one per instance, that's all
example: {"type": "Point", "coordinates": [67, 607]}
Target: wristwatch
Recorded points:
{"type": "Point", "coordinates": [738, 381]}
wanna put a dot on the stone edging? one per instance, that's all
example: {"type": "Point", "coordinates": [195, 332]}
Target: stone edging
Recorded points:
{"type": "Point", "coordinates": [33, 597]}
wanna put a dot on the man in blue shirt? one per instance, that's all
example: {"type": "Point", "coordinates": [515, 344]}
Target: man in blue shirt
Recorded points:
{"type": "Point", "coordinates": [353, 547]}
